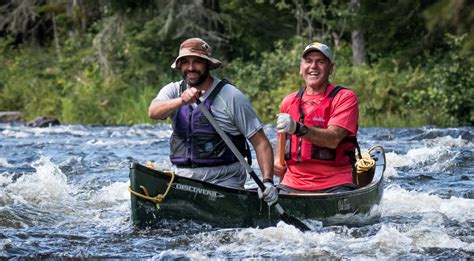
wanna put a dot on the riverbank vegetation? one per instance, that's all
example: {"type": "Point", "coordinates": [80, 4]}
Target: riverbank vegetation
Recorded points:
{"type": "Point", "coordinates": [102, 62]}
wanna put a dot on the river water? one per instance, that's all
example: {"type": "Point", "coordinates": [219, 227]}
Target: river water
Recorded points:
{"type": "Point", "coordinates": [63, 195]}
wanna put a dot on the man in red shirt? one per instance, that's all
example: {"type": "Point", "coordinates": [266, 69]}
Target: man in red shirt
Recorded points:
{"type": "Point", "coordinates": [320, 123]}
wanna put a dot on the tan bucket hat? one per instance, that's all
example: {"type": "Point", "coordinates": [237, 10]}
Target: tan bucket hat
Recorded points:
{"type": "Point", "coordinates": [196, 47]}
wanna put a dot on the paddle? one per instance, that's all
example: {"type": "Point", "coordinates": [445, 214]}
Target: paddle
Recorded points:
{"type": "Point", "coordinates": [283, 215]}
{"type": "Point", "coordinates": [281, 150]}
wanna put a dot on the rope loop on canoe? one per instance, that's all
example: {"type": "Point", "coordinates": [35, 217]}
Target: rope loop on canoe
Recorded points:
{"type": "Point", "coordinates": [158, 198]}
{"type": "Point", "coordinates": [365, 162]}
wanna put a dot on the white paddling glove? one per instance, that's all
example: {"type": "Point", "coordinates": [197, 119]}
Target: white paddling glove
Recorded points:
{"type": "Point", "coordinates": [270, 194]}
{"type": "Point", "coordinates": [285, 124]}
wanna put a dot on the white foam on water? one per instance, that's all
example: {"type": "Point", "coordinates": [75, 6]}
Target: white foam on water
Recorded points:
{"type": "Point", "coordinates": [182, 255]}
{"type": "Point", "coordinates": [24, 132]}
{"type": "Point", "coordinates": [412, 158]}
{"type": "Point", "coordinates": [4, 243]}
{"type": "Point", "coordinates": [450, 142]}
{"type": "Point", "coordinates": [398, 201]}
{"type": "Point", "coordinates": [430, 232]}
{"type": "Point", "coordinates": [109, 196]}
{"type": "Point", "coordinates": [392, 241]}
{"type": "Point", "coordinates": [5, 179]}
{"type": "Point", "coordinates": [9, 132]}
{"type": "Point", "coordinates": [99, 142]}
{"type": "Point", "coordinates": [283, 240]}
{"type": "Point", "coordinates": [110, 206]}
{"type": "Point", "coordinates": [391, 161]}
{"type": "Point", "coordinates": [387, 243]}
{"type": "Point", "coordinates": [135, 132]}
{"type": "Point", "coordinates": [45, 188]}
{"type": "Point", "coordinates": [433, 159]}
{"type": "Point", "coordinates": [4, 163]}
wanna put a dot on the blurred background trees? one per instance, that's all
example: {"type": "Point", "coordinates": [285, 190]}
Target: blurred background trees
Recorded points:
{"type": "Point", "coordinates": [102, 61]}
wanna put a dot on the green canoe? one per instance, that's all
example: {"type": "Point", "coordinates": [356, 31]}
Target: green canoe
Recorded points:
{"type": "Point", "coordinates": [158, 196]}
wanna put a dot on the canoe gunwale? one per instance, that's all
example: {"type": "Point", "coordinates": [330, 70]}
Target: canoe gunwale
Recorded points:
{"type": "Point", "coordinates": [373, 185]}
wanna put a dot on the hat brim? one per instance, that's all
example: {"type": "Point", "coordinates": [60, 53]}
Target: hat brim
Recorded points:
{"type": "Point", "coordinates": [213, 62]}
{"type": "Point", "coordinates": [315, 49]}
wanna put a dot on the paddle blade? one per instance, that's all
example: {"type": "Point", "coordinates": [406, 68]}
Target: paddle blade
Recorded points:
{"type": "Point", "coordinates": [290, 220]}
{"type": "Point", "coordinates": [294, 221]}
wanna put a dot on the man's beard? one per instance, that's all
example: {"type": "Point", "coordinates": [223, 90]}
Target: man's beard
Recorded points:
{"type": "Point", "coordinates": [196, 83]}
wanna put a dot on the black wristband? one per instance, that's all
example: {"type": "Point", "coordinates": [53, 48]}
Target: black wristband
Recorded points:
{"type": "Point", "coordinates": [268, 180]}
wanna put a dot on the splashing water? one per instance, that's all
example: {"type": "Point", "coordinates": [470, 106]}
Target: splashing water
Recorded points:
{"type": "Point", "coordinates": [63, 194]}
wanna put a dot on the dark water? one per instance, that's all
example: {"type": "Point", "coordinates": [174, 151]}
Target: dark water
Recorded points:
{"type": "Point", "coordinates": [63, 195]}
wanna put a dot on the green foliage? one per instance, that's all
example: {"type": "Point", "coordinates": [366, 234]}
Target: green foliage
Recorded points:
{"type": "Point", "coordinates": [105, 61]}
{"type": "Point", "coordinates": [88, 95]}
{"type": "Point", "coordinates": [251, 27]}
{"type": "Point", "coordinates": [27, 85]}
{"type": "Point", "coordinates": [447, 90]}
{"type": "Point", "coordinates": [381, 91]}
{"type": "Point", "coordinates": [260, 80]}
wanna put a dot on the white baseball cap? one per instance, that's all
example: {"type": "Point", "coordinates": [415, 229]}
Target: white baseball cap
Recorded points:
{"type": "Point", "coordinates": [317, 46]}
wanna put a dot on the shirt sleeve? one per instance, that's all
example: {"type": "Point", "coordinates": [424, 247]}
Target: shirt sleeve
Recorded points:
{"type": "Point", "coordinates": [285, 104]}
{"type": "Point", "coordinates": [234, 112]}
{"type": "Point", "coordinates": [345, 111]}
{"type": "Point", "coordinates": [245, 117]}
{"type": "Point", "coordinates": [168, 92]}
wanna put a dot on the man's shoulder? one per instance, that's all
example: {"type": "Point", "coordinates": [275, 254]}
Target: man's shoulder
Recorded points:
{"type": "Point", "coordinates": [230, 91]}
{"type": "Point", "coordinates": [344, 95]}
{"type": "Point", "coordinates": [287, 101]}
{"type": "Point", "coordinates": [172, 85]}
{"type": "Point", "coordinates": [290, 96]}
{"type": "Point", "coordinates": [344, 90]}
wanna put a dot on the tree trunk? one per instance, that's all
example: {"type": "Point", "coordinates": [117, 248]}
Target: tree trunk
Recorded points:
{"type": "Point", "coordinates": [56, 38]}
{"type": "Point", "coordinates": [217, 28]}
{"type": "Point", "coordinates": [359, 55]}
{"type": "Point", "coordinates": [217, 8]}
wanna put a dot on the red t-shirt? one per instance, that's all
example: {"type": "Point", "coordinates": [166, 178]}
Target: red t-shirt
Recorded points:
{"type": "Point", "coordinates": [344, 113]}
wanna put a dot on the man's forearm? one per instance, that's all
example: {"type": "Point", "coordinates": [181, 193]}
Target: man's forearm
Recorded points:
{"type": "Point", "coordinates": [265, 161]}
{"type": "Point", "coordinates": [160, 110]}
{"type": "Point", "coordinates": [329, 138]}
{"type": "Point", "coordinates": [264, 152]}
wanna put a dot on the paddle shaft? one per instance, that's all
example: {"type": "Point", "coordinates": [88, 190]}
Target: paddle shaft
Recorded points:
{"type": "Point", "coordinates": [230, 144]}
{"type": "Point", "coordinates": [287, 218]}
{"type": "Point", "coordinates": [282, 148]}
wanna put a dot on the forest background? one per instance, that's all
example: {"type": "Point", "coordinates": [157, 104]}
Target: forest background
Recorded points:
{"type": "Point", "coordinates": [102, 61]}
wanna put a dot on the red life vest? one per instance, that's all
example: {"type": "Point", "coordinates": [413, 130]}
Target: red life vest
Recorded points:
{"type": "Point", "coordinates": [301, 150]}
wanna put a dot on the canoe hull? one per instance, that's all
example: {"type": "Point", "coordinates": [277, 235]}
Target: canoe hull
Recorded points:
{"type": "Point", "coordinates": [227, 207]}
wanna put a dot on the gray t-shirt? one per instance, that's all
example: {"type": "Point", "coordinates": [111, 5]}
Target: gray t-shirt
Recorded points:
{"type": "Point", "coordinates": [235, 115]}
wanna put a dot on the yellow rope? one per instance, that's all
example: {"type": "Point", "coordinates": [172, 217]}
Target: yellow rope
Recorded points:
{"type": "Point", "coordinates": [365, 162]}
{"type": "Point", "coordinates": [150, 165]}
{"type": "Point", "coordinates": [158, 198]}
